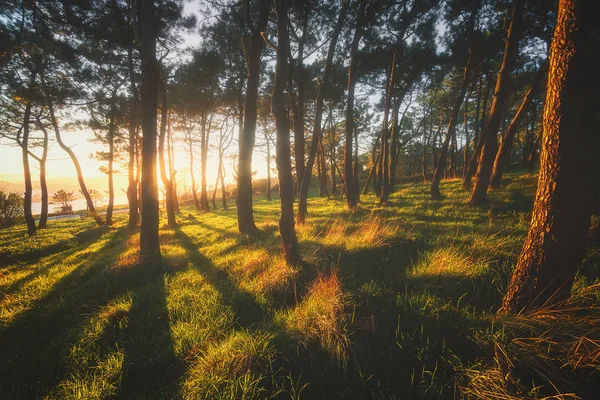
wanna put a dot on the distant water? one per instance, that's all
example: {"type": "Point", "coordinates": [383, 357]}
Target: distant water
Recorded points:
{"type": "Point", "coordinates": [78, 204]}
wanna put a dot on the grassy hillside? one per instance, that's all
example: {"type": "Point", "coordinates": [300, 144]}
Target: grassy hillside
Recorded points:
{"type": "Point", "coordinates": [391, 302]}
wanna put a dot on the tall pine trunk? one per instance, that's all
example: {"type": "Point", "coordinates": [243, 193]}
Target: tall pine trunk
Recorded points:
{"type": "Point", "coordinates": [352, 192]}
{"type": "Point", "coordinates": [167, 183]}
{"type": "Point", "coordinates": [245, 214]}
{"type": "Point", "coordinates": [148, 32]}
{"type": "Point", "coordinates": [451, 130]}
{"type": "Point", "coordinates": [509, 135]}
{"type": "Point", "coordinates": [501, 93]}
{"type": "Point", "coordinates": [111, 157]}
{"type": "Point", "coordinates": [565, 196]}
{"type": "Point", "coordinates": [132, 185]}
{"type": "Point", "coordinates": [317, 131]}
{"type": "Point", "coordinates": [282, 123]}
{"type": "Point", "coordinates": [206, 126]}
{"type": "Point", "coordinates": [29, 220]}
{"type": "Point", "coordinates": [43, 184]}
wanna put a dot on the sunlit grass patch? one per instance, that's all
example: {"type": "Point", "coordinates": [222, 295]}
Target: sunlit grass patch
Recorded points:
{"type": "Point", "coordinates": [234, 368]}
{"type": "Point", "coordinates": [368, 232]}
{"type": "Point", "coordinates": [319, 318]}
{"type": "Point", "coordinates": [196, 312]}
{"type": "Point", "coordinates": [447, 261]}
{"type": "Point", "coordinates": [95, 361]}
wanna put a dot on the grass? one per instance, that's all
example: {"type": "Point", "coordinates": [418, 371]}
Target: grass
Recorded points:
{"type": "Point", "coordinates": [393, 301]}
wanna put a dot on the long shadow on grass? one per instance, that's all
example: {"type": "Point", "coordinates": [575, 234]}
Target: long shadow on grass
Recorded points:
{"type": "Point", "coordinates": [36, 345]}
{"type": "Point", "coordinates": [150, 368]}
{"type": "Point", "coordinates": [248, 311]}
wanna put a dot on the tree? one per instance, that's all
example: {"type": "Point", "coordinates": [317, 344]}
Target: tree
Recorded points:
{"type": "Point", "coordinates": [501, 93]}
{"type": "Point", "coordinates": [63, 199]}
{"type": "Point", "coordinates": [565, 196]}
{"type": "Point", "coordinates": [317, 129]}
{"type": "Point", "coordinates": [11, 208]}
{"type": "Point", "coordinates": [245, 214]}
{"type": "Point", "coordinates": [146, 34]}
{"type": "Point", "coordinates": [280, 107]}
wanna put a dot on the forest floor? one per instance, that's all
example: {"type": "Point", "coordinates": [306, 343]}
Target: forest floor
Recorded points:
{"type": "Point", "coordinates": [396, 301]}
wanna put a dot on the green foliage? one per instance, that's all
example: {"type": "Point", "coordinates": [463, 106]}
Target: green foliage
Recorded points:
{"type": "Point", "coordinates": [63, 199]}
{"type": "Point", "coordinates": [11, 208]}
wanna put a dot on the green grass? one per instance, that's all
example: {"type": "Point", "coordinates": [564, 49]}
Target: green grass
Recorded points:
{"type": "Point", "coordinates": [391, 302]}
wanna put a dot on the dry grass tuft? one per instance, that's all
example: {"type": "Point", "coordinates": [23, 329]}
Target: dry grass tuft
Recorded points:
{"type": "Point", "coordinates": [319, 319]}
{"type": "Point", "coordinates": [371, 231]}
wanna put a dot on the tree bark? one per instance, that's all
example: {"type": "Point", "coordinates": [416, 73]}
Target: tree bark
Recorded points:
{"type": "Point", "coordinates": [450, 132]}
{"type": "Point", "coordinates": [167, 183]}
{"type": "Point", "coordinates": [111, 156]}
{"type": "Point", "coordinates": [245, 214]}
{"type": "Point", "coordinates": [132, 187]}
{"type": "Point", "coordinates": [317, 131]}
{"type": "Point", "coordinates": [84, 191]}
{"type": "Point", "coordinates": [332, 159]}
{"type": "Point", "coordinates": [206, 126]}
{"type": "Point", "coordinates": [509, 135]}
{"type": "Point", "coordinates": [29, 220]}
{"type": "Point", "coordinates": [299, 107]}
{"type": "Point", "coordinates": [565, 196]}
{"type": "Point", "coordinates": [43, 185]}
{"type": "Point", "coordinates": [148, 32]}
{"type": "Point", "coordinates": [384, 166]}
{"type": "Point", "coordinates": [501, 93]}
{"type": "Point", "coordinates": [282, 122]}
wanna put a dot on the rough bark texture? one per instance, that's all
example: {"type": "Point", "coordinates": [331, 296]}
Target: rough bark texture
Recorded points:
{"type": "Point", "coordinates": [281, 113]}
{"type": "Point", "coordinates": [317, 131]}
{"type": "Point", "coordinates": [501, 93]}
{"type": "Point", "coordinates": [509, 135]}
{"type": "Point", "coordinates": [245, 215]}
{"type": "Point", "coordinates": [299, 107]}
{"type": "Point", "coordinates": [351, 191]}
{"type": "Point", "coordinates": [205, 132]}
{"type": "Point", "coordinates": [564, 200]}
{"type": "Point", "coordinates": [148, 31]}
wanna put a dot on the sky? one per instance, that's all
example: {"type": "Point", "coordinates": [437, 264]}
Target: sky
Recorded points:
{"type": "Point", "coordinates": [61, 173]}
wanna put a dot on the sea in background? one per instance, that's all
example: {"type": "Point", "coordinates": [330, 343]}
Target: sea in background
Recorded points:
{"type": "Point", "coordinates": [78, 204]}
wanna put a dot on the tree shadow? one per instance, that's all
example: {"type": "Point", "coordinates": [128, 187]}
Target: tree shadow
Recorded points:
{"type": "Point", "coordinates": [38, 342]}
{"type": "Point", "coordinates": [249, 313]}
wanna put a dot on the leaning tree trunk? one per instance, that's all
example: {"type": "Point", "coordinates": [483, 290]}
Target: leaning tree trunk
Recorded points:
{"type": "Point", "coordinates": [67, 149]}
{"type": "Point", "coordinates": [132, 186]}
{"type": "Point", "coordinates": [501, 93]}
{"type": "Point", "coordinates": [565, 197]}
{"type": "Point", "coordinates": [317, 131]}
{"type": "Point", "coordinates": [29, 220]}
{"type": "Point", "coordinates": [111, 156]}
{"type": "Point", "coordinates": [245, 214]}
{"type": "Point", "coordinates": [352, 192]}
{"type": "Point", "coordinates": [507, 139]}
{"type": "Point", "coordinates": [450, 132]}
{"type": "Point", "coordinates": [282, 123]}
{"type": "Point", "coordinates": [148, 32]}
{"type": "Point", "coordinates": [204, 206]}
{"type": "Point", "coordinates": [478, 142]}
{"type": "Point", "coordinates": [167, 183]}
{"type": "Point", "coordinates": [43, 185]}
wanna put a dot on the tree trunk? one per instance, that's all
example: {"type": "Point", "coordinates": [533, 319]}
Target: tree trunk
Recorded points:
{"type": "Point", "coordinates": [84, 191]}
{"type": "Point", "coordinates": [43, 185]}
{"type": "Point", "coordinates": [223, 189]}
{"type": "Point", "coordinates": [450, 132]}
{"type": "Point", "coordinates": [191, 153]}
{"type": "Point", "coordinates": [29, 220]}
{"type": "Point", "coordinates": [467, 139]}
{"type": "Point", "coordinates": [323, 168]}
{"type": "Point", "coordinates": [299, 107]}
{"type": "Point", "coordinates": [565, 197]}
{"type": "Point", "coordinates": [282, 123]}
{"type": "Point", "coordinates": [384, 171]}
{"type": "Point", "coordinates": [148, 32]}
{"type": "Point", "coordinates": [206, 126]}
{"type": "Point", "coordinates": [501, 93]}
{"type": "Point", "coordinates": [245, 215]}
{"type": "Point", "coordinates": [167, 183]}
{"type": "Point", "coordinates": [111, 156]}
{"type": "Point", "coordinates": [172, 172]}
{"type": "Point", "coordinates": [267, 139]}
{"type": "Point", "coordinates": [317, 131]}
{"type": "Point", "coordinates": [132, 186]}
{"type": "Point", "coordinates": [332, 159]}
{"type": "Point", "coordinates": [478, 142]}
{"type": "Point", "coordinates": [507, 139]}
